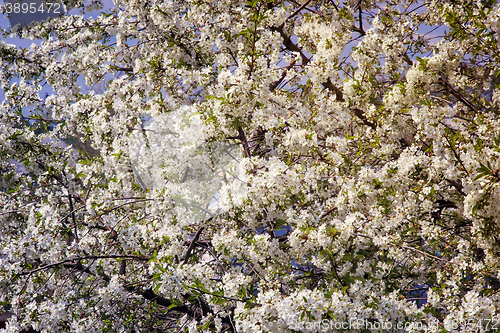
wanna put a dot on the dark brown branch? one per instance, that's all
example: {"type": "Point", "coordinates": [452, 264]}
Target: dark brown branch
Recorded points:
{"type": "Point", "coordinates": [298, 10]}
{"type": "Point", "coordinates": [147, 294]}
{"type": "Point", "coordinates": [276, 83]}
{"type": "Point", "coordinates": [71, 212]}
{"type": "Point", "coordinates": [73, 217]}
{"type": "Point", "coordinates": [287, 42]}
{"type": "Point", "coordinates": [243, 140]}
{"type": "Point", "coordinates": [72, 209]}
{"type": "Point", "coordinates": [151, 296]}
{"type": "Point", "coordinates": [192, 244]}
{"type": "Point", "coordinates": [457, 95]}
{"type": "Point", "coordinates": [459, 187]}
{"type": "Point", "coordinates": [330, 86]}
{"type": "Point", "coordinates": [325, 214]}
{"type": "Point", "coordinates": [361, 115]}
{"type": "Point", "coordinates": [222, 296]}
{"type": "Point", "coordinates": [79, 267]}
{"type": "Point", "coordinates": [123, 267]}
{"type": "Point", "coordinates": [122, 69]}
{"type": "Point", "coordinates": [110, 256]}
{"type": "Point", "coordinates": [408, 248]}
{"type": "Point", "coordinates": [113, 233]}
{"type": "Point", "coordinates": [124, 204]}
{"type": "Point", "coordinates": [361, 31]}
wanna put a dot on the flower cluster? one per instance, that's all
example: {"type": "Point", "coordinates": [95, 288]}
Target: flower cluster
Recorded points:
{"type": "Point", "coordinates": [247, 166]}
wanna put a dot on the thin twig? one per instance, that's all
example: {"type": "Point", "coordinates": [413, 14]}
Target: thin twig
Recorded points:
{"type": "Point", "coordinates": [111, 256]}
{"type": "Point", "coordinates": [407, 247]}
{"type": "Point", "coordinates": [298, 10]}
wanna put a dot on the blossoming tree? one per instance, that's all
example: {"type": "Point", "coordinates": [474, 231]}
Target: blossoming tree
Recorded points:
{"type": "Point", "coordinates": [365, 186]}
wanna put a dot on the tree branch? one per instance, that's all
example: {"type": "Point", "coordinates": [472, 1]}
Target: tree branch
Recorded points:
{"type": "Point", "coordinates": [289, 45]}
{"type": "Point", "coordinates": [192, 244]}
{"type": "Point", "coordinates": [276, 83]}
{"type": "Point", "coordinates": [110, 256]}
{"type": "Point", "coordinates": [243, 140]}
{"type": "Point", "coordinates": [457, 95]}
{"type": "Point", "coordinates": [298, 10]}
